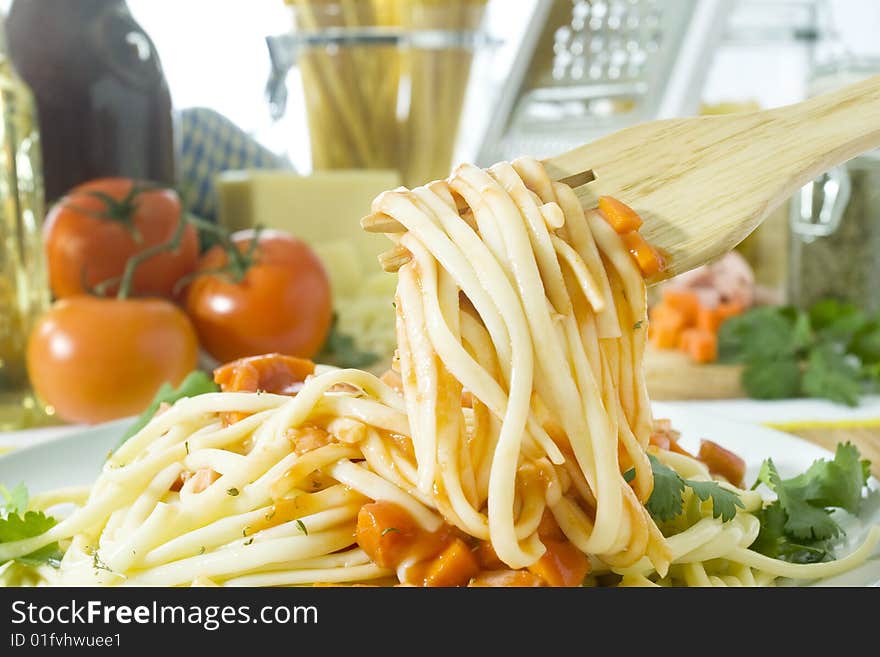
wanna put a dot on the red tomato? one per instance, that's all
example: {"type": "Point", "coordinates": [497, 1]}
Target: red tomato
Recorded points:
{"type": "Point", "coordinates": [281, 304]}
{"type": "Point", "coordinates": [92, 232]}
{"type": "Point", "coordinates": [722, 462]}
{"type": "Point", "coordinates": [96, 359]}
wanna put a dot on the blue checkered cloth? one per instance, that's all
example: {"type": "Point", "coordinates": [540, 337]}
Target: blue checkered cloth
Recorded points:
{"type": "Point", "coordinates": [210, 145]}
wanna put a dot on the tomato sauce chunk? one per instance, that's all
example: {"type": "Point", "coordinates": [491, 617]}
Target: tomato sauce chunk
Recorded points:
{"type": "Point", "coordinates": [561, 565]}
{"type": "Point", "coordinates": [722, 462]}
{"type": "Point", "coordinates": [276, 373]}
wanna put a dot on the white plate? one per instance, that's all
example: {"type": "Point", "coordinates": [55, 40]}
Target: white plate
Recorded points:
{"type": "Point", "coordinates": [76, 460]}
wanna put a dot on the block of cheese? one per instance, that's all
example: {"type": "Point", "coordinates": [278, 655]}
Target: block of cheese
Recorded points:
{"type": "Point", "coordinates": [320, 208]}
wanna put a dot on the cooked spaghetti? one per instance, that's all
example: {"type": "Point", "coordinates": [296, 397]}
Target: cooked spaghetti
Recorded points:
{"type": "Point", "coordinates": [509, 446]}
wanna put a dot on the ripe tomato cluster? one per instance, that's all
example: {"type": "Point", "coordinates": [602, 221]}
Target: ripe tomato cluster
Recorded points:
{"type": "Point", "coordinates": [135, 300]}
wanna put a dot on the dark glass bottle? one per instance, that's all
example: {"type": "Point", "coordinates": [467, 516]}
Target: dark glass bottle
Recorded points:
{"type": "Point", "coordinates": [102, 100]}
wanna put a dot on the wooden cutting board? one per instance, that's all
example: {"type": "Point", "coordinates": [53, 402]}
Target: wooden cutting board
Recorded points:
{"type": "Point", "coordinates": [672, 375]}
{"type": "Point", "coordinates": [863, 434]}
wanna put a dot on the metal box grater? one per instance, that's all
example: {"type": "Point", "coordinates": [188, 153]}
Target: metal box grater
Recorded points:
{"type": "Point", "coordinates": [589, 67]}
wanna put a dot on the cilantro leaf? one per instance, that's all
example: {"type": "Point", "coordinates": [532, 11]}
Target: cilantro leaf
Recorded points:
{"type": "Point", "coordinates": [14, 501]}
{"type": "Point", "coordinates": [830, 373]}
{"type": "Point", "coordinates": [666, 500]}
{"type": "Point", "coordinates": [798, 526]}
{"type": "Point", "coordinates": [836, 320]}
{"type": "Point", "coordinates": [773, 541]}
{"type": "Point", "coordinates": [830, 351]}
{"type": "Point", "coordinates": [762, 333]}
{"type": "Point", "coordinates": [772, 378]}
{"type": "Point", "coordinates": [837, 483]}
{"type": "Point", "coordinates": [341, 350]}
{"type": "Point", "coordinates": [866, 343]}
{"type": "Point", "coordinates": [15, 527]}
{"type": "Point", "coordinates": [724, 502]}
{"type": "Point", "coordinates": [771, 538]}
{"type": "Point", "coordinates": [803, 520]}
{"type": "Point", "coordinates": [195, 383]}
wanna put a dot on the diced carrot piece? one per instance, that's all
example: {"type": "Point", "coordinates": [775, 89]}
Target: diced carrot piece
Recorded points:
{"type": "Point", "coordinates": [390, 535]}
{"type": "Point", "coordinates": [455, 566]}
{"type": "Point", "coordinates": [561, 565]}
{"type": "Point", "coordinates": [665, 314]}
{"type": "Point", "coordinates": [307, 437]}
{"type": "Point", "coordinates": [623, 219]}
{"type": "Point", "coordinates": [708, 319]}
{"type": "Point", "coordinates": [275, 373]}
{"type": "Point", "coordinates": [386, 532]}
{"type": "Point", "coordinates": [727, 310]}
{"type": "Point", "coordinates": [270, 373]}
{"type": "Point", "coordinates": [487, 557]}
{"type": "Point", "coordinates": [700, 345]}
{"type": "Point", "coordinates": [549, 528]}
{"type": "Point", "coordinates": [722, 462]}
{"type": "Point", "coordinates": [649, 261]}
{"type": "Point", "coordinates": [664, 335]}
{"type": "Point", "coordinates": [684, 301]}
{"type": "Point", "coordinates": [506, 578]}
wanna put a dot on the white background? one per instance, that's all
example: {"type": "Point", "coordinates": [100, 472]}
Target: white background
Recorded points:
{"type": "Point", "coordinates": [215, 55]}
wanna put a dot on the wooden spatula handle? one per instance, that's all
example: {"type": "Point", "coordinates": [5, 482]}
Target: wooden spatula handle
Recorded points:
{"type": "Point", "coordinates": [824, 131]}
{"type": "Point", "coordinates": [703, 184]}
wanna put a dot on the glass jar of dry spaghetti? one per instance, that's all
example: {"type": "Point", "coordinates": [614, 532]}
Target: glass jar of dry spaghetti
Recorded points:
{"type": "Point", "coordinates": [383, 81]}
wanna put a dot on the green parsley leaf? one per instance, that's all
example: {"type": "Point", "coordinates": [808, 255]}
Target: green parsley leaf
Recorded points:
{"type": "Point", "coordinates": [836, 320]}
{"type": "Point", "coordinates": [831, 351]}
{"type": "Point", "coordinates": [629, 475]}
{"type": "Point", "coordinates": [865, 345]}
{"type": "Point", "coordinates": [830, 373]}
{"type": "Point", "coordinates": [763, 333]}
{"type": "Point", "coordinates": [774, 378]}
{"type": "Point", "coordinates": [798, 526]}
{"type": "Point", "coordinates": [302, 526]}
{"type": "Point", "coordinates": [837, 483]}
{"type": "Point", "coordinates": [774, 542]}
{"type": "Point", "coordinates": [771, 538]}
{"type": "Point", "coordinates": [15, 527]}
{"type": "Point", "coordinates": [341, 350]}
{"type": "Point", "coordinates": [196, 383]}
{"type": "Point", "coordinates": [14, 501]}
{"type": "Point", "coordinates": [232, 492]}
{"type": "Point", "coordinates": [803, 520]}
{"type": "Point", "coordinates": [666, 501]}
{"type": "Point", "coordinates": [724, 502]}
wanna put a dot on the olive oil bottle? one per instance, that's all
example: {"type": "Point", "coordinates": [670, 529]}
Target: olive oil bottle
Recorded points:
{"type": "Point", "coordinates": [24, 291]}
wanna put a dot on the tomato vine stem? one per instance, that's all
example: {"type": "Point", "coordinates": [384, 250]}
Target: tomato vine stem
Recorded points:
{"type": "Point", "coordinates": [133, 262]}
{"type": "Point", "coordinates": [239, 262]}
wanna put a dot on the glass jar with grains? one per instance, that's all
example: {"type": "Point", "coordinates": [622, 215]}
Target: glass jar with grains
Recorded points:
{"type": "Point", "coordinates": [835, 220]}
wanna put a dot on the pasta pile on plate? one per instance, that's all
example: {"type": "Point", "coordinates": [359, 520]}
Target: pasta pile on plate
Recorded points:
{"type": "Point", "coordinates": [516, 424]}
